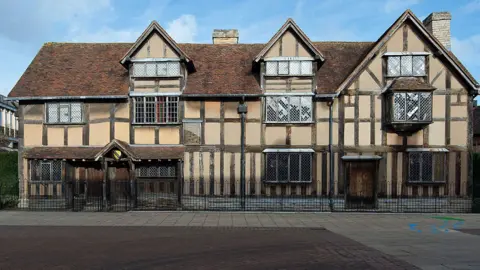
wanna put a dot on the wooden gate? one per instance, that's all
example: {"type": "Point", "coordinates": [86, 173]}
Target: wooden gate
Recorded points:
{"type": "Point", "coordinates": [361, 184]}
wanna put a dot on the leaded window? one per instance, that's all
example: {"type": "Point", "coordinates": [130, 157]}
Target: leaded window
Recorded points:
{"type": "Point", "coordinates": [288, 167]}
{"type": "Point", "coordinates": [156, 69]}
{"type": "Point", "coordinates": [46, 170]}
{"type": "Point", "coordinates": [292, 67]}
{"type": "Point", "coordinates": [412, 107]}
{"type": "Point", "coordinates": [155, 110]}
{"type": "Point", "coordinates": [406, 65]}
{"type": "Point", "coordinates": [157, 171]}
{"type": "Point", "coordinates": [426, 166]}
{"type": "Point", "coordinates": [288, 109]}
{"type": "Point", "coordinates": [64, 113]}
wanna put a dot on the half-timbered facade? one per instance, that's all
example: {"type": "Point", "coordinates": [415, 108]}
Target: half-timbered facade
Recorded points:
{"type": "Point", "coordinates": [156, 124]}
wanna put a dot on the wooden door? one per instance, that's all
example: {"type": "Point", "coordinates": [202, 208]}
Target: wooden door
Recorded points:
{"type": "Point", "coordinates": [361, 184]}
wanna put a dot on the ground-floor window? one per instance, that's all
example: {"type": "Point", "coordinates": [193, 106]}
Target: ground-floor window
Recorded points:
{"type": "Point", "coordinates": [46, 170]}
{"type": "Point", "coordinates": [426, 166]}
{"type": "Point", "coordinates": [157, 171]}
{"type": "Point", "coordinates": [288, 167]}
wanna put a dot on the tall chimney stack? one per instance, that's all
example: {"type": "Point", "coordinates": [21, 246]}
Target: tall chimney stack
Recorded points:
{"type": "Point", "coordinates": [225, 36]}
{"type": "Point", "coordinates": [438, 23]}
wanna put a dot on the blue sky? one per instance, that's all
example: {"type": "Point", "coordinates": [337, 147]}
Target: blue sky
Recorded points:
{"type": "Point", "coordinates": [26, 24]}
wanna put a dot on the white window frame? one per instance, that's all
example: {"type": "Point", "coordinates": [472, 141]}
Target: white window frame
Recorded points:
{"type": "Point", "coordinates": [305, 68]}
{"type": "Point", "coordinates": [290, 153]}
{"type": "Point", "coordinates": [305, 100]}
{"type": "Point", "coordinates": [68, 106]}
{"type": "Point", "coordinates": [401, 58]}
{"type": "Point", "coordinates": [170, 103]}
{"type": "Point", "coordinates": [172, 69]}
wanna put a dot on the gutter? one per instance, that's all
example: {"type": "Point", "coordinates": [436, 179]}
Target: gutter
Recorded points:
{"type": "Point", "coordinates": [222, 95]}
{"type": "Point", "coordinates": [65, 98]}
{"type": "Point", "coordinates": [8, 107]}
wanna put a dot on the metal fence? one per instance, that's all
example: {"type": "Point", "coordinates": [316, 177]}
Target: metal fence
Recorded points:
{"type": "Point", "coordinates": [167, 194]}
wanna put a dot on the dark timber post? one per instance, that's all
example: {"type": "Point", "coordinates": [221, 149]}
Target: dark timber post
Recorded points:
{"type": "Point", "coordinates": [330, 150]}
{"type": "Point", "coordinates": [104, 185]}
{"type": "Point", "coordinates": [242, 110]}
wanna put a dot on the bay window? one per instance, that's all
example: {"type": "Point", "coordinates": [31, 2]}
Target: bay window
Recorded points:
{"type": "Point", "coordinates": [288, 109]}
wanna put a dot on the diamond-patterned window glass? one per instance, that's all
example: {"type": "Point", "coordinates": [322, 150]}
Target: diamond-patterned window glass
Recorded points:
{"type": "Point", "coordinates": [162, 69]}
{"type": "Point", "coordinates": [151, 69]}
{"type": "Point", "coordinates": [173, 69]}
{"type": "Point", "coordinates": [294, 167]}
{"type": "Point", "coordinates": [306, 109]}
{"type": "Point", "coordinates": [399, 102]}
{"type": "Point", "coordinates": [283, 167]}
{"type": "Point", "coordinates": [172, 172]}
{"type": "Point", "coordinates": [418, 63]}
{"type": "Point", "coordinates": [192, 133]}
{"type": "Point", "coordinates": [414, 167]}
{"type": "Point", "coordinates": [152, 171]}
{"type": "Point", "coordinates": [425, 106]}
{"type": "Point", "coordinates": [306, 167]}
{"type": "Point", "coordinates": [427, 168]}
{"type": "Point", "coordinates": [283, 68]}
{"type": "Point", "coordinates": [283, 107]}
{"type": "Point", "coordinates": [393, 66]}
{"type": "Point", "coordinates": [271, 109]}
{"type": "Point", "coordinates": [412, 107]}
{"type": "Point", "coordinates": [142, 171]}
{"type": "Point", "coordinates": [64, 113]}
{"type": "Point", "coordinates": [306, 67]}
{"type": "Point", "coordinates": [139, 110]}
{"type": "Point", "coordinates": [294, 109]}
{"type": "Point", "coordinates": [52, 113]}
{"type": "Point", "coordinates": [439, 160]}
{"type": "Point", "coordinates": [295, 68]}
{"type": "Point", "coordinates": [76, 112]}
{"type": "Point", "coordinates": [45, 171]}
{"type": "Point", "coordinates": [271, 68]}
{"type": "Point", "coordinates": [406, 65]}
{"type": "Point", "coordinates": [139, 69]}
{"type": "Point", "coordinates": [271, 167]}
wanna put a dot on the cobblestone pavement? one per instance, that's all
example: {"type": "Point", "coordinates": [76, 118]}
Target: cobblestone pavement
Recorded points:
{"type": "Point", "coordinates": [395, 235]}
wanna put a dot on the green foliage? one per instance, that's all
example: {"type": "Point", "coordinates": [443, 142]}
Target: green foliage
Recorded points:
{"type": "Point", "coordinates": [8, 179]}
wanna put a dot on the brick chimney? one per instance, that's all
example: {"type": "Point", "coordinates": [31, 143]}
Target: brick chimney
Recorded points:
{"type": "Point", "coordinates": [225, 36]}
{"type": "Point", "coordinates": [438, 23]}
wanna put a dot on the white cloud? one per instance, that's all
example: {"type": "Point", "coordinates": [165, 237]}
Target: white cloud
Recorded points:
{"type": "Point", "coordinates": [468, 51]}
{"type": "Point", "coordinates": [105, 34]}
{"type": "Point", "coordinates": [183, 29]}
{"type": "Point", "coordinates": [471, 7]}
{"type": "Point", "coordinates": [396, 5]}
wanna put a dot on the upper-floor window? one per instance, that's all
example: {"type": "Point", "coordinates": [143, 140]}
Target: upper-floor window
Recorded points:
{"type": "Point", "coordinates": [64, 113]}
{"type": "Point", "coordinates": [406, 65]}
{"type": "Point", "coordinates": [412, 107]}
{"type": "Point", "coordinates": [156, 69]}
{"type": "Point", "coordinates": [288, 109]}
{"type": "Point", "coordinates": [155, 110]}
{"type": "Point", "coordinates": [425, 166]}
{"type": "Point", "coordinates": [292, 67]}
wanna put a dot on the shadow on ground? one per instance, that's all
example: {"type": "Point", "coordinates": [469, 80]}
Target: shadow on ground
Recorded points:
{"type": "Point", "coordinates": [29, 247]}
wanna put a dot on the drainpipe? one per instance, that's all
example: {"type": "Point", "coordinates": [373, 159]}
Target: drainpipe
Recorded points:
{"type": "Point", "coordinates": [330, 150]}
{"type": "Point", "coordinates": [242, 110]}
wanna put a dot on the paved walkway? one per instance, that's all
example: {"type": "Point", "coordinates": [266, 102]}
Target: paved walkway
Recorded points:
{"type": "Point", "coordinates": [409, 237]}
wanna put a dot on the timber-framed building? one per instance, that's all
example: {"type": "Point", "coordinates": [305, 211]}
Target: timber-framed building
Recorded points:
{"type": "Point", "coordinates": [156, 124]}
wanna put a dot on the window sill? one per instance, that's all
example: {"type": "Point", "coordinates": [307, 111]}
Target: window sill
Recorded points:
{"type": "Point", "coordinates": [65, 124]}
{"type": "Point", "coordinates": [156, 124]}
{"type": "Point", "coordinates": [287, 183]}
{"type": "Point", "coordinates": [403, 76]}
{"type": "Point", "coordinates": [411, 183]}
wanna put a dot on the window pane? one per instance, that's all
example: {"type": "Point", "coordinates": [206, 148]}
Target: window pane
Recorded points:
{"type": "Point", "coordinates": [418, 65]}
{"type": "Point", "coordinates": [306, 109]}
{"type": "Point", "coordinates": [283, 68]}
{"type": "Point", "coordinates": [45, 171]}
{"type": "Point", "coordinates": [393, 66]}
{"type": "Point", "coordinates": [306, 67]}
{"type": "Point", "coordinates": [425, 106]}
{"type": "Point", "coordinates": [399, 106]}
{"type": "Point", "coordinates": [172, 109]}
{"type": "Point", "coordinates": [306, 169]}
{"type": "Point", "coordinates": [173, 69]}
{"type": "Point", "coordinates": [412, 107]}
{"type": "Point", "coordinates": [150, 110]}
{"type": "Point", "coordinates": [426, 167]}
{"type": "Point", "coordinates": [406, 65]}
{"type": "Point", "coordinates": [294, 67]}
{"type": "Point", "coordinates": [139, 69]}
{"type": "Point", "coordinates": [294, 109]}
{"type": "Point", "coordinates": [162, 69]}
{"type": "Point", "coordinates": [271, 111]}
{"type": "Point", "coordinates": [52, 114]}
{"type": "Point", "coordinates": [271, 170]}
{"type": "Point", "coordinates": [192, 133]}
{"type": "Point", "coordinates": [64, 113]}
{"type": "Point", "coordinates": [161, 110]}
{"type": "Point", "coordinates": [271, 68]}
{"type": "Point", "coordinates": [283, 167]}
{"type": "Point", "coordinates": [283, 109]}
{"type": "Point", "coordinates": [414, 167]}
{"type": "Point", "coordinates": [76, 116]}
{"type": "Point", "coordinates": [294, 167]}
{"type": "Point", "coordinates": [439, 167]}
{"type": "Point", "coordinates": [56, 170]}
{"type": "Point", "coordinates": [139, 110]}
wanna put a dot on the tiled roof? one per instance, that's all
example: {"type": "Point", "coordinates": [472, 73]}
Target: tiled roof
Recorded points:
{"type": "Point", "coordinates": [93, 69]}
{"type": "Point", "coordinates": [410, 83]}
{"type": "Point", "coordinates": [158, 152]}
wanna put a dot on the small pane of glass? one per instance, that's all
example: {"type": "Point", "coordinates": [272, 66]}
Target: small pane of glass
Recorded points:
{"type": "Point", "coordinates": [306, 68]}
{"type": "Point", "coordinates": [283, 68]}
{"type": "Point", "coordinates": [393, 66]}
{"type": "Point", "coordinates": [64, 113]}
{"type": "Point", "coordinates": [162, 69]}
{"type": "Point", "coordinates": [295, 68]}
{"type": "Point", "coordinates": [406, 64]}
{"type": "Point", "coordinates": [52, 114]}
{"type": "Point", "coordinates": [271, 68]}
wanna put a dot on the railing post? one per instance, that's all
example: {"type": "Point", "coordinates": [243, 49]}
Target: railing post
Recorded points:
{"type": "Point", "coordinates": [242, 110]}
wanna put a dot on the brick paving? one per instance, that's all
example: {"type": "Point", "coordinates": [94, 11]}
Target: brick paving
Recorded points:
{"type": "Point", "coordinates": [387, 233]}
